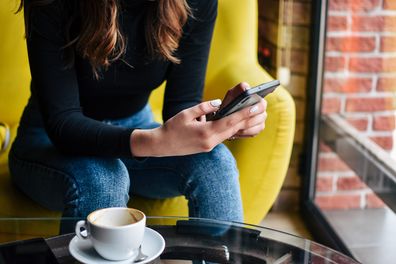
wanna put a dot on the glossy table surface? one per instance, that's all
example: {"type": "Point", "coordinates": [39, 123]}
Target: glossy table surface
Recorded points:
{"type": "Point", "coordinates": [213, 241]}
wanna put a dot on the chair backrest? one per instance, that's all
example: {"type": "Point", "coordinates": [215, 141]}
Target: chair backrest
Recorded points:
{"type": "Point", "coordinates": [14, 66]}
{"type": "Point", "coordinates": [235, 35]}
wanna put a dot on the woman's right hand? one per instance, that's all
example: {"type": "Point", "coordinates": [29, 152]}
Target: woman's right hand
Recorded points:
{"type": "Point", "coordinates": [188, 132]}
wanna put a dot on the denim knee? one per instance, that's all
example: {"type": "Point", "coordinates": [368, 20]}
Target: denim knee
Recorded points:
{"type": "Point", "coordinates": [221, 161]}
{"type": "Point", "coordinates": [212, 187]}
{"type": "Point", "coordinates": [99, 183]}
{"type": "Point", "coordinates": [224, 158]}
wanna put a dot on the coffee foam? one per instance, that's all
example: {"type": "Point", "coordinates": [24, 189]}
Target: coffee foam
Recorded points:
{"type": "Point", "coordinates": [116, 218]}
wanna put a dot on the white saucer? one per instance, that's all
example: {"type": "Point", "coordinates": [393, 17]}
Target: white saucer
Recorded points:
{"type": "Point", "coordinates": [153, 244]}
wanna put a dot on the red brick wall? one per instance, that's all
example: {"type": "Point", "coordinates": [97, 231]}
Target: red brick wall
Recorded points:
{"type": "Point", "coordinates": [360, 81]}
{"type": "Point", "coordinates": [338, 187]}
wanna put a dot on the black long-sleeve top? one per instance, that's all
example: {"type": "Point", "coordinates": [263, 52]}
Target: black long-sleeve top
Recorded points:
{"type": "Point", "coordinates": [72, 103]}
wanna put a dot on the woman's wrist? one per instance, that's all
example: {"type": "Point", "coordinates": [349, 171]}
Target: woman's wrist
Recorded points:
{"type": "Point", "coordinates": [145, 143]}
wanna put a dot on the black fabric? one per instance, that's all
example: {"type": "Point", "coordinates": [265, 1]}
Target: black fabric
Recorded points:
{"type": "Point", "coordinates": [71, 103]}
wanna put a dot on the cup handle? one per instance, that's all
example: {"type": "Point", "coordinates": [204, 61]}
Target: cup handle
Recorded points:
{"type": "Point", "coordinates": [81, 224]}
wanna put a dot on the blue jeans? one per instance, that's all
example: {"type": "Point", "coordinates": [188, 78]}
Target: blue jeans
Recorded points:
{"type": "Point", "coordinates": [78, 185]}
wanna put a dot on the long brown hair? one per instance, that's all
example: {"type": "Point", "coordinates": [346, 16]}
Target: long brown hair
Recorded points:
{"type": "Point", "coordinates": [100, 39]}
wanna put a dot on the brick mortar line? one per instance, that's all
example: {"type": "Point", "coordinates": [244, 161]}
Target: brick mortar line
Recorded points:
{"type": "Point", "coordinates": [351, 33]}
{"type": "Point", "coordinates": [347, 176]}
{"type": "Point", "coordinates": [370, 115]}
{"type": "Point", "coordinates": [370, 94]}
{"type": "Point", "coordinates": [381, 4]}
{"type": "Point", "coordinates": [377, 47]}
{"type": "Point", "coordinates": [364, 55]}
{"type": "Point", "coordinates": [327, 155]}
{"type": "Point", "coordinates": [363, 202]}
{"type": "Point", "coordinates": [387, 34]}
{"type": "Point", "coordinates": [340, 174]}
{"type": "Point", "coordinates": [371, 13]}
{"type": "Point", "coordinates": [357, 115]}
{"type": "Point", "coordinates": [374, 13]}
{"type": "Point", "coordinates": [374, 84]}
{"type": "Point", "coordinates": [344, 33]}
{"type": "Point", "coordinates": [334, 183]}
{"type": "Point", "coordinates": [338, 13]}
{"type": "Point", "coordinates": [375, 133]}
{"type": "Point", "coordinates": [370, 123]}
{"type": "Point", "coordinates": [358, 192]}
{"type": "Point", "coordinates": [347, 75]}
{"type": "Point", "coordinates": [361, 96]}
{"type": "Point", "coordinates": [349, 21]}
{"type": "Point", "coordinates": [375, 114]}
{"type": "Point", "coordinates": [342, 104]}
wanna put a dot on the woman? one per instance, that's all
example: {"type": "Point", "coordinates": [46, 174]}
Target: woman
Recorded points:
{"type": "Point", "coordinates": [87, 138]}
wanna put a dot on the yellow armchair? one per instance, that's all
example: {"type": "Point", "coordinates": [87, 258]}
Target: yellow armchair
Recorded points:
{"type": "Point", "coordinates": [262, 161]}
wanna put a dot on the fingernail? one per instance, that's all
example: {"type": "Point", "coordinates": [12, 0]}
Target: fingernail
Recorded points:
{"type": "Point", "coordinates": [245, 86]}
{"type": "Point", "coordinates": [215, 103]}
{"type": "Point", "coordinates": [254, 109]}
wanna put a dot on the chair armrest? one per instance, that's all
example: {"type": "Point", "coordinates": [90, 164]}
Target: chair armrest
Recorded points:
{"type": "Point", "coordinates": [263, 160]}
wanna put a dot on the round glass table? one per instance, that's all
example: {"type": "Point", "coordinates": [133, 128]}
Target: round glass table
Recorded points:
{"type": "Point", "coordinates": [190, 240]}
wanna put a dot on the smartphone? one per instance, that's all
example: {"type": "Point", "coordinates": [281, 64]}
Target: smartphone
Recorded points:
{"type": "Point", "coordinates": [34, 250]}
{"type": "Point", "coordinates": [248, 98]}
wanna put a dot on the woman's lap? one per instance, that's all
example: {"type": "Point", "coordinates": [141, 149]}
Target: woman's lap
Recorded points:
{"type": "Point", "coordinates": [208, 180]}
{"type": "Point", "coordinates": [74, 185]}
{"type": "Point", "coordinates": [78, 185]}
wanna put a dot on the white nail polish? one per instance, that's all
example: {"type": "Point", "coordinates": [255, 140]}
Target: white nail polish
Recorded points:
{"type": "Point", "coordinates": [215, 103]}
{"type": "Point", "coordinates": [254, 109]}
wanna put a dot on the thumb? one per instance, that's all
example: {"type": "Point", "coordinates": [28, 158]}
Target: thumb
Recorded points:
{"type": "Point", "coordinates": [203, 109]}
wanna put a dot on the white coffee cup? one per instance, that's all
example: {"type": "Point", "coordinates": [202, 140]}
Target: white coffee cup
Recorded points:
{"type": "Point", "coordinates": [116, 233]}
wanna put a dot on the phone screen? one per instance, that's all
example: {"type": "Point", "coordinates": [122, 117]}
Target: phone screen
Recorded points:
{"type": "Point", "coordinates": [27, 251]}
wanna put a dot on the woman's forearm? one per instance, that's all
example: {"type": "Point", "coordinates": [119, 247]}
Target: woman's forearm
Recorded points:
{"type": "Point", "coordinates": [189, 133]}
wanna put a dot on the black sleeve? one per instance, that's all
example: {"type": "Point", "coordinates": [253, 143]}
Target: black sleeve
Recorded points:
{"type": "Point", "coordinates": [57, 92]}
{"type": "Point", "coordinates": [185, 81]}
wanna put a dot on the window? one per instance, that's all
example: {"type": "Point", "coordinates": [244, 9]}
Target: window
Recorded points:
{"type": "Point", "coordinates": [350, 189]}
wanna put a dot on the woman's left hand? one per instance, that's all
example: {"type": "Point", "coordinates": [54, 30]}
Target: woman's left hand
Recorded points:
{"type": "Point", "coordinates": [256, 123]}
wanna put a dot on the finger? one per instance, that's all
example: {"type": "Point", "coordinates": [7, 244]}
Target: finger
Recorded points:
{"type": "Point", "coordinates": [234, 92]}
{"type": "Point", "coordinates": [236, 121]}
{"type": "Point", "coordinates": [265, 103]}
{"type": "Point", "coordinates": [248, 113]}
{"type": "Point", "coordinates": [256, 120]}
{"type": "Point", "coordinates": [202, 118]}
{"type": "Point", "coordinates": [262, 106]}
{"type": "Point", "coordinates": [202, 109]}
{"type": "Point", "coordinates": [250, 132]}
{"type": "Point", "coordinates": [252, 123]}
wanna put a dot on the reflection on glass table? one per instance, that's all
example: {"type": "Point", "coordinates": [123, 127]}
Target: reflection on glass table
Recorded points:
{"type": "Point", "coordinates": [214, 241]}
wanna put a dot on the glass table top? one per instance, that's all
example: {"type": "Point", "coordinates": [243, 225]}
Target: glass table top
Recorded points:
{"type": "Point", "coordinates": [191, 239]}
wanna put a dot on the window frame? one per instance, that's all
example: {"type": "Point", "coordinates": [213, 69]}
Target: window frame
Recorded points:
{"type": "Point", "coordinates": [312, 215]}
